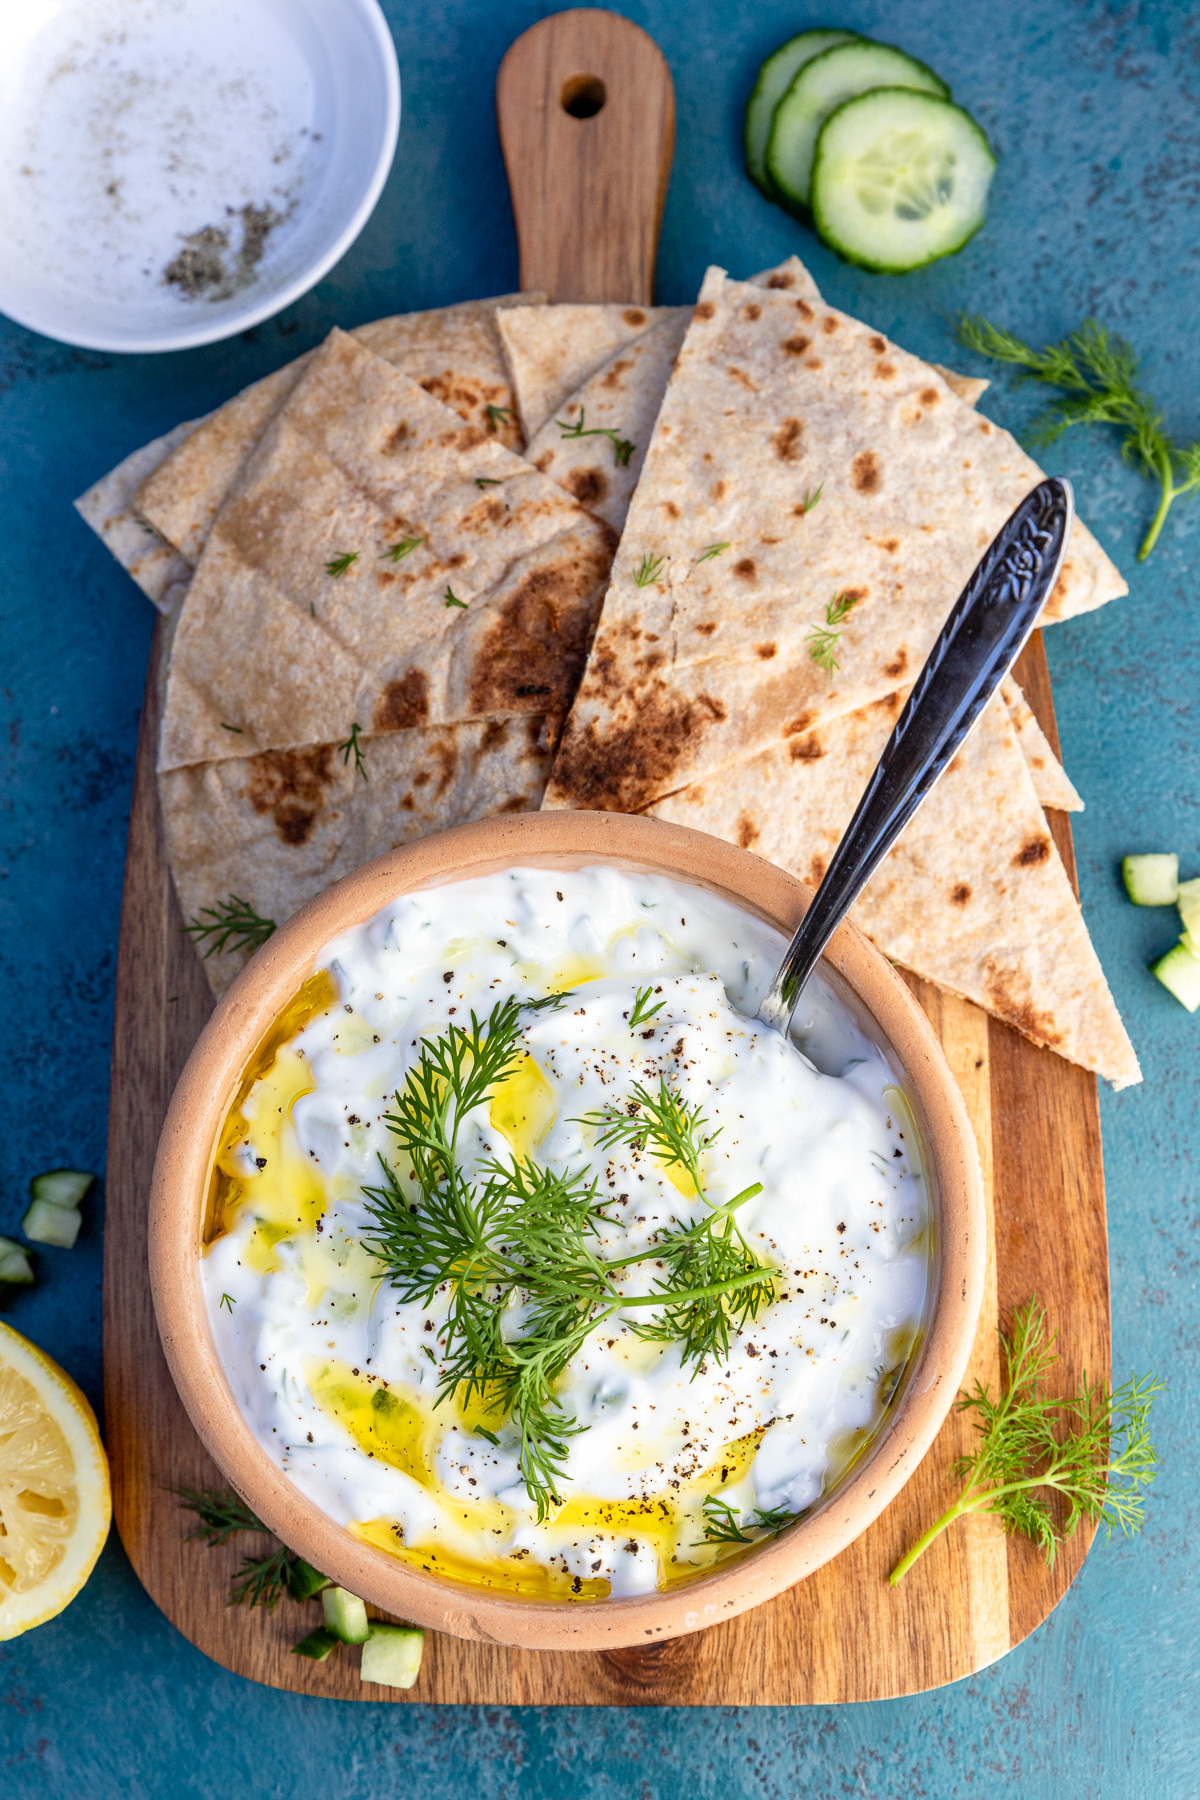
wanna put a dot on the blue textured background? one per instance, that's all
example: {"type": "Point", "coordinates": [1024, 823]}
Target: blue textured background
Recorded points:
{"type": "Point", "coordinates": [1093, 109]}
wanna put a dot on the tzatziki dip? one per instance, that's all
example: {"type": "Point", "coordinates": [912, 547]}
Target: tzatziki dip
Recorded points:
{"type": "Point", "coordinates": [534, 1259]}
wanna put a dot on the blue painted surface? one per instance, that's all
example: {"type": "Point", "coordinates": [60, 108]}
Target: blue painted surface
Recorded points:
{"type": "Point", "coordinates": [1093, 108]}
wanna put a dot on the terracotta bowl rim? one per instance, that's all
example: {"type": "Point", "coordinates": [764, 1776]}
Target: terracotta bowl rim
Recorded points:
{"type": "Point", "coordinates": [198, 1109]}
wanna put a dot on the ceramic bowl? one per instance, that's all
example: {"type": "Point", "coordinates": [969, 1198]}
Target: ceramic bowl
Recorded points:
{"type": "Point", "coordinates": [885, 1009]}
{"type": "Point", "coordinates": [174, 171]}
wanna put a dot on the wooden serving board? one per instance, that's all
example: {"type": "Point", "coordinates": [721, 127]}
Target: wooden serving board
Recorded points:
{"type": "Point", "coordinates": [843, 1634]}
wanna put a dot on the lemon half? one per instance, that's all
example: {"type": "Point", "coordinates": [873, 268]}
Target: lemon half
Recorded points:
{"type": "Point", "coordinates": [55, 1505]}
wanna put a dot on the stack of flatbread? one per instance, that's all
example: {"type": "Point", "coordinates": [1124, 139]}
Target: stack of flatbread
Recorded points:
{"type": "Point", "coordinates": [381, 613]}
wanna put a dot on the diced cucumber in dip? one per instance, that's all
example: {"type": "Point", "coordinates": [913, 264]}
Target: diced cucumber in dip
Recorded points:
{"type": "Point", "coordinates": [392, 1655]}
{"type": "Point", "coordinates": [1179, 972]}
{"type": "Point", "coordinates": [1152, 880]}
{"type": "Point", "coordinates": [900, 179]}
{"type": "Point", "coordinates": [774, 79]}
{"type": "Point", "coordinates": [822, 85]}
{"type": "Point", "coordinates": [698, 1252]}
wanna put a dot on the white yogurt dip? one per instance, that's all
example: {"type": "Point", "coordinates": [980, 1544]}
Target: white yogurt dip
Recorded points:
{"type": "Point", "coordinates": [675, 1464]}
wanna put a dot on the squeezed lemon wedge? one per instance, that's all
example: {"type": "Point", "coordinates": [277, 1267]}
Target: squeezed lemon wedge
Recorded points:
{"type": "Point", "coordinates": [55, 1505]}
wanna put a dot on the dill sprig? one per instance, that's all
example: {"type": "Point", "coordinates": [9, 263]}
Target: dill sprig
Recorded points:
{"type": "Point", "coordinates": [338, 565]}
{"type": "Point", "coordinates": [523, 1236]}
{"type": "Point", "coordinates": [711, 550]}
{"type": "Point", "coordinates": [1041, 1464]}
{"type": "Point", "coordinates": [497, 416]}
{"type": "Point", "coordinates": [398, 551]}
{"type": "Point", "coordinates": [810, 500]}
{"type": "Point", "coordinates": [486, 481]}
{"type": "Point", "coordinates": [722, 1524]}
{"type": "Point", "coordinates": [623, 449]}
{"type": "Point", "coordinates": [352, 747]}
{"type": "Point", "coordinates": [649, 569]}
{"type": "Point", "coordinates": [261, 1580]}
{"type": "Point", "coordinates": [823, 640]}
{"type": "Point", "coordinates": [230, 924]}
{"type": "Point", "coordinates": [452, 599]}
{"type": "Point", "coordinates": [642, 1009]}
{"type": "Point", "coordinates": [1097, 373]}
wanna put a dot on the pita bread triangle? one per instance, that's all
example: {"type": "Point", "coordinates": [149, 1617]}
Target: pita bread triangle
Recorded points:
{"type": "Point", "coordinates": [973, 895]}
{"type": "Point", "coordinates": [379, 562]}
{"type": "Point", "coordinates": [453, 352]}
{"type": "Point", "coordinates": [799, 460]}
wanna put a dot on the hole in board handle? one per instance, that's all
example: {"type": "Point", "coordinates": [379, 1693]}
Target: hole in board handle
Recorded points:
{"type": "Point", "coordinates": [583, 96]}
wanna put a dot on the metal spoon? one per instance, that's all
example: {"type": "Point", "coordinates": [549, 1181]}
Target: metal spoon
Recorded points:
{"type": "Point", "coordinates": [979, 643]}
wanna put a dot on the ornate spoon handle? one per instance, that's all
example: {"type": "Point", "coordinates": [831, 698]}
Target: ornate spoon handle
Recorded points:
{"type": "Point", "coordinates": [979, 643]}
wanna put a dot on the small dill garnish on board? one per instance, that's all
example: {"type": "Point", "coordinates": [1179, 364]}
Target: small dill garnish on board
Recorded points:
{"type": "Point", "coordinates": [622, 448]}
{"type": "Point", "coordinates": [497, 416]}
{"type": "Point", "coordinates": [261, 1580]}
{"type": "Point", "coordinates": [452, 599]}
{"type": "Point", "coordinates": [642, 1009]}
{"type": "Point", "coordinates": [1043, 1464]}
{"type": "Point", "coordinates": [1097, 372]}
{"type": "Point", "coordinates": [338, 565]}
{"type": "Point", "coordinates": [522, 1236]}
{"type": "Point", "coordinates": [352, 747]}
{"type": "Point", "coordinates": [649, 569]}
{"type": "Point", "coordinates": [723, 1526]}
{"type": "Point", "coordinates": [398, 551]}
{"type": "Point", "coordinates": [823, 640]}
{"type": "Point", "coordinates": [230, 924]}
{"type": "Point", "coordinates": [711, 550]}
{"type": "Point", "coordinates": [811, 496]}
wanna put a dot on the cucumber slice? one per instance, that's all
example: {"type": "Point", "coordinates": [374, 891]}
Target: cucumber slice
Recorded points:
{"type": "Point", "coordinates": [1151, 880]}
{"type": "Point", "coordinates": [345, 1616]}
{"type": "Point", "coordinates": [317, 1645]}
{"type": "Point", "coordinates": [47, 1224]}
{"type": "Point", "coordinates": [15, 1266]}
{"type": "Point", "coordinates": [1179, 972]}
{"type": "Point", "coordinates": [774, 79]}
{"type": "Point", "coordinates": [1188, 902]}
{"type": "Point", "coordinates": [392, 1655]}
{"type": "Point", "coordinates": [821, 86]}
{"type": "Point", "coordinates": [61, 1187]}
{"type": "Point", "coordinates": [303, 1581]}
{"type": "Point", "coordinates": [900, 179]}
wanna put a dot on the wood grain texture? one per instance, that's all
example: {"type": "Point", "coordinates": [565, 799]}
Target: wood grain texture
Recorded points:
{"type": "Point", "coordinates": [588, 191]}
{"type": "Point", "coordinates": [843, 1634]}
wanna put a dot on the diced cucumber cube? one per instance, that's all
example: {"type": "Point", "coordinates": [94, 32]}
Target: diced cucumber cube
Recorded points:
{"type": "Point", "coordinates": [304, 1582]}
{"type": "Point", "coordinates": [1191, 943]}
{"type": "Point", "coordinates": [317, 1645]}
{"type": "Point", "coordinates": [61, 1187]}
{"type": "Point", "coordinates": [345, 1615]}
{"type": "Point", "coordinates": [1179, 972]}
{"type": "Point", "coordinates": [15, 1266]}
{"type": "Point", "coordinates": [1189, 906]}
{"type": "Point", "coordinates": [392, 1655]}
{"type": "Point", "coordinates": [48, 1224]}
{"type": "Point", "coordinates": [1151, 880]}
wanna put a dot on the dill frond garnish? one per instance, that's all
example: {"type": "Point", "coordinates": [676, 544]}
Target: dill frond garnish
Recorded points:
{"type": "Point", "coordinates": [486, 481]}
{"type": "Point", "coordinates": [823, 640]}
{"type": "Point", "coordinates": [338, 565]}
{"type": "Point", "coordinates": [261, 1580]}
{"type": "Point", "coordinates": [642, 1010]}
{"type": "Point", "coordinates": [810, 500]}
{"type": "Point", "coordinates": [353, 748]}
{"type": "Point", "coordinates": [622, 448]}
{"type": "Point", "coordinates": [497, 416]}
{"type": "Point", "coordinates": [1090, 1452]}
{"type": "Point", "coordinates": [452, 599]}
{"type": "Point", "coordinates": [520, 1236]}
{"type": "Point", "coordinates": [711, 550]}
{"type": "Point", "coordinates": [1097, 372]}
{"type": "Point", "coordinates": [398, 551]}
{"type": "Point", "coordinates": [649, 569]}
{"type": "Point", "coordinates": [230, 924]}
{"type": "Point", "coordinates": [722, 1525]}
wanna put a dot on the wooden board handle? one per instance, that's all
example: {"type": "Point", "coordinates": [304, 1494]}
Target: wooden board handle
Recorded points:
{"type": "Point", "coordinates": [586, 108]}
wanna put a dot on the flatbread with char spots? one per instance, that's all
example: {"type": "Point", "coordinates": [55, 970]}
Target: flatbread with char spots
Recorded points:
{"type": "Point", "coordinates": [973, 895]}
{"type": "Point", "coordinates": [453, 352]}
{"type": "Point", "coordinates": [277, 829]}
{"type": "Point", "coordinates": [110, 508]}
{"type": "Point", "coordinates": [381, 563]}
{"type": "Point", "coordinates": [800, 463]}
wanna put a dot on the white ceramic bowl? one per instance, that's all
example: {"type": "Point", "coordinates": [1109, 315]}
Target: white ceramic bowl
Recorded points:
{"type": "Point", "coordinates": [135, 135]}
